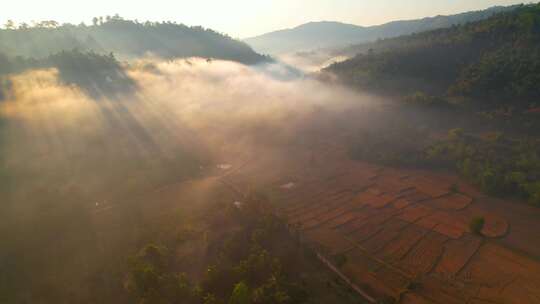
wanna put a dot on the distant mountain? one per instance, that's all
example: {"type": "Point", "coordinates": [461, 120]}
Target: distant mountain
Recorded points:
{"type": "Point", "coordinates": [326, 34]}
{"type": "Point", "coordinates": [491, 63]}
{"type": "Point", "coordinates": [126, 39]}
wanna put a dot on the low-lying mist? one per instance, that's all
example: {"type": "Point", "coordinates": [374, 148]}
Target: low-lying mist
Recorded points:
{"type": "Point", "coordinates": [185, 113]}
{"type": "Point", "coordinates": [66, 155]}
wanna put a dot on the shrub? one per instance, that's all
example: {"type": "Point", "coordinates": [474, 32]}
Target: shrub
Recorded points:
{"type": "Point", "coordinates": [455, 134]}
{"type": "Point", "coordinates": [240, 294]}
{"type": "Point", "coordinates": [476, 225]}
{"type": "Point", "coordinates": [413, 285]}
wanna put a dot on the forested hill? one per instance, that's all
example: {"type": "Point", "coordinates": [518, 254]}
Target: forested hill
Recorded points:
{"type": "Point", "coordinates": [315, 35]}
{"type": "Point", "coordinates": [491, 63]}
{"type": "Point", "coordinates": [125, 38]}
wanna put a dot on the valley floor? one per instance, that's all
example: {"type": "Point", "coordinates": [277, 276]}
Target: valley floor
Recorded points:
{"type": "Point", "coordinates": [403, 234]}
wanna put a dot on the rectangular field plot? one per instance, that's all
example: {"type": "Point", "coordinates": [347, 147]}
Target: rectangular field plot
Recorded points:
{"type": "Point", "coordinates": [374, 198]}
{"type": "Point", "coordinates": [389, 232]}
{"type": "Point", "coordinates": [457, 254]}
{"type": "Point", "coordinates": [412, 298]}
{"type": "Point", "coordinates": [375, 218]}
{"type": "Point", "coordinates": [414, 196]}
{"type": "Point", "coordinates": [393, 183]}
{"type": "Point", "coordinates": [446, 292]}
{"type": "Point", "coordinates": [423, 257]}
{"type": "Point", "coordinates": [342, 219]}
{"type": "Point", "coordinates": [403, 243]}
{"type": "Point", "coordinates": [450, 225]}
{"type": "Point", "coordinates": [372, 276]}
{"type": "Point", "coordinates": [415, 212]}
{"type": "Point", "coordinates": [497, 266]}
{"type": "Point", "coordinates": [453, 201]}
{"type": "Point", "coordinates": [328, 240]}
{"type": "Point", "coordinates": [431, 188]}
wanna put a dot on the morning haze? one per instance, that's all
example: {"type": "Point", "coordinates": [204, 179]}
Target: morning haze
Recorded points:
{"type": "Point", "coordinates": [147, 157]}
{"type": "Point", "coordinates": [243, 18]}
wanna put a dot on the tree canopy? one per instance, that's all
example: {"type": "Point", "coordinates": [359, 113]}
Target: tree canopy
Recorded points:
{"type": "Point", "coordinates": [493, 62]}
{"type": "Point", "coordinates": [126, 38]}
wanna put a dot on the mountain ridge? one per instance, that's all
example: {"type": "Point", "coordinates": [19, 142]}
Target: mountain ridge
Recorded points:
{"type": "Point", "coordinates": [307, 36]}
{"type": "Point", "coordinates": [490, 63]}
{"type": "Point", "coordinates": [126, 39]}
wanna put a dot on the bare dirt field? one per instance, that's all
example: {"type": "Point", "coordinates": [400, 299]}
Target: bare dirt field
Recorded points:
{"type": "Point", "coordinates": [405, 233]}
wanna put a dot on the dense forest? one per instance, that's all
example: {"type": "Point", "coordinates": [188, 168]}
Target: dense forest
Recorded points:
{"type": "Point", "coordinates": [493, 64]}
{"type": "Point", "coordinates": [125, 38]}
{"type": "Point", "coordinates": [500, 165]}
{"type": "Point", "coordinates": [251, 257]}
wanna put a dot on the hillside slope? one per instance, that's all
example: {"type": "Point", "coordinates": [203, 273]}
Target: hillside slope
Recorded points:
{"type": "Point", "coordinates": [493, 63]}
{"type": "Point", "coordinates": [326, 34]}
{"type": "Point", "coordinates": [126, 39]}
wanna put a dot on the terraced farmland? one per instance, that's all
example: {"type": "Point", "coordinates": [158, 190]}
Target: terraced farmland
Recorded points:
{"type": "Point", "coordinates": [403, 235]}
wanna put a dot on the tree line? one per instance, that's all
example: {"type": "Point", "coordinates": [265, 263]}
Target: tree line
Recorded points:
{"type": "Point", "coordinates": [490, 64]}
{"type": "Point", "coordinates": [126, 38]}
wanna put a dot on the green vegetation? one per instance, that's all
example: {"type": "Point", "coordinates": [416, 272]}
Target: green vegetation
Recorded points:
{"type": "Point", "coordinates": [255, 261]}
{"type": "Point", "coordinates": [423, 99]}
{"type": "Point", "coordinates": [240, 294]}
{"type": "Point", "coordinates": [489, 64]}
{"type": "Point", "coordinates": [476, 225]}
{"type": "Point", "coordinates": [125, 38]}
{"type": "Point", "coordinates": [499, 165]}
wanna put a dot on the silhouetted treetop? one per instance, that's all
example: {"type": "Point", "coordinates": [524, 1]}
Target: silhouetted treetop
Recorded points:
{"type": "Point", "coordinates": [126, 38]}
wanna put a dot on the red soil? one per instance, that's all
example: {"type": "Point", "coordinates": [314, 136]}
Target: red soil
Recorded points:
{"type": "Point", "coordinates": [457, 254]}
{"type": "Point", "coordinates": [361, 217]}
{"type": "Point", "coordinates": [400, 204]}
{"type": "Point", "coordinates": [430, 187]}
{"type": "Point", "coordinates": [454, 201]}
{"type": "Point", "coordinates": [494, 226]}
{"type": "Point", "coordinates": [414, 196]}
{"type": "Point", "coordinates": [427, 222]}
{"type": "Point", "coordinates": [393, 280]}
{"type": "Point", "coordinates": [415, 212]}
{"type": "Point", "coordinates": [423, 257]}
{"type": "Point", "coordinates": [371, 276]}
{"type": "Point", "coordinates": [366, 231]}
{"type": "Point", "coordinates": [329, 240]}
{"type": "Point", "coordinates": [342, 219]}
{"type": "Point", "coordinates": [389, 232]}
{"type": "Point", "coordinates": [411, 298]}
{"type": "Point", "coordinates": [505, 276]}
{"type": "Point", "coordinates": [367, 198]}
{"type": "Point", "coordinates": [375, 220]}
{"type": "Point", "coordinates": [392, 183]}
{"type": "Point", "coordinates": [446, 292]}
{"type": "Point", "coordinates": [445, 223]}
{"type": "Point", "coordinates": [400, 246]}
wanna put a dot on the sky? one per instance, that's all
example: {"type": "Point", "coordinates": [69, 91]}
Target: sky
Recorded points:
{"type": "Point", "coordinates": [240, 18]}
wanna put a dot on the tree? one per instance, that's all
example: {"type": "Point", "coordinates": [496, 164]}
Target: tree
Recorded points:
{"type": "Point", "coordinates": [10, 24]}
{"type": "Point", "coordinates": [476, 225]}
{"type": "Point", "coordinates": [240, 294]}
{"type": "Point", "coordinates": [95, 21]}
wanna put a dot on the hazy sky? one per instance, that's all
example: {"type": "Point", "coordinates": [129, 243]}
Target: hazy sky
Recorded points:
{"type": "Point", "coordinates": [240, 18]}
